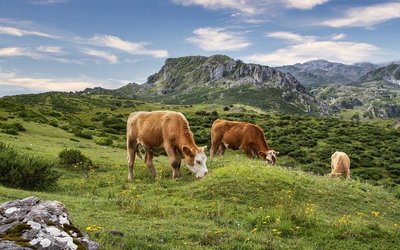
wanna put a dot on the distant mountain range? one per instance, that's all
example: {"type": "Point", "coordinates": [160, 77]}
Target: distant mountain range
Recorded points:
{"type": "Point", "coordinates": [330, 87]}
{"type": "Point", "coordinates": [321, 72]}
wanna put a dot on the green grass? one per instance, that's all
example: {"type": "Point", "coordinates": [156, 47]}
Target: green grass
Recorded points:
{"type": "Point", "coordinates": [307, 142]}
{"type": "Point", "coordinates": [241, 204]}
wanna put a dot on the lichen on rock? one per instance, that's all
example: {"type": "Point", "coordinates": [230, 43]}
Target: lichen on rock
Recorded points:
{"type": "Point", "coordinates": [33, 223]}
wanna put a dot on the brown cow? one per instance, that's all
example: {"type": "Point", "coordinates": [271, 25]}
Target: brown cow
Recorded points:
{"type": "Point", "coordinates": [241, 135]}
{"type": "Point", "coordinates": [168, 130]}
{"type": "Point", "coordinates": [340, 164]}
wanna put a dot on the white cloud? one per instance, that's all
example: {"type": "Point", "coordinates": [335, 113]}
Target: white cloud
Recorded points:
{"type": "Point", "coordinates": [293, 37]}
{"type": "Point", "coordinates": [339, 36]}
{"type": "Point", "coordinates": [311, 49]}
{"type": "Point", "coordinates": [218, 39]}
{"type": "Point", "coordinates": [13, 31]}
{"type": "Point", "coordinates": [366, 16]}
{"type": "Point", "coordinates": [251, 7]}
{"type": "Point", "coordinates": [45, 84]}
{"type": "Point", "coordinates": [47, 2]}
{"type": "Point", "coordinates": [242, 6]}
{"type": "Point", "coordinates": [304, 4]}
{"type": "Point", "coordinates": [112, 59]}
{"type": "Point", "coordinates": [18, 51]}
{"type": "Point", "coordinates": [50, 49]}
{"type": "Point", "coordinates": [127, 46]}
{"type": "Point", "coordinates": [38, 54]}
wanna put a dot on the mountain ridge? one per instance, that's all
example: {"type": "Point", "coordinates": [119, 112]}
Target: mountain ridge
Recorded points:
{"type": "Point", "coordinates": [321, 71]}
{"type": "Point", "coordinates": [221, 79]}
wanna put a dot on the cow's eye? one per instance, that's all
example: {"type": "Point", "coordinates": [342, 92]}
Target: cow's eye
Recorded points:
{"type": "Point", "coordinates": [198, 162]}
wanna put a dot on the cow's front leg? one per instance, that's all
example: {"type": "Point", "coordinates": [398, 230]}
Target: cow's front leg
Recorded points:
{"type": "Point", "coordinates": [148, 160]}
{"type": "Point", "coordinates": [221, 149]}
{"type": "Point", "coordinates": [248, 151]}
{"type": "Point", "coordinates": [175, 161]}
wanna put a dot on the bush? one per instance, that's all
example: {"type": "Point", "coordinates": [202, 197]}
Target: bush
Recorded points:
{"type": "Point", "coordinates": [74, 158]}
{"type": "Point", "coordinates": [104, 141]}
{"type": "Point", "coordinates": [86, 134]}
{"type": "Point", "coordinates": [12, 128]}
{"type": "Point", "coordinates": [25, 171]}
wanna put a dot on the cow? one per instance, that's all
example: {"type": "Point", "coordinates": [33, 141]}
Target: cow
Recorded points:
{"type": "Point", "coordinates": [166, 130]}
{"type": "Point", "coordinates": [241, 135]}
{"type": "Point", "coordinates": [340, 164]}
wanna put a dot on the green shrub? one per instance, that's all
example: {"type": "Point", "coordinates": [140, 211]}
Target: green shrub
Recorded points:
{"type": "Point", "coordinates": [25, 171]}
{"type": "Point", "coordinates": [12, 128]}
{"type": "Point", "coordinates": [87, 134]}
{"type": "Point", "coordinates": [104, 141]}
{"type": "Point", "coordinates": [74, 158]}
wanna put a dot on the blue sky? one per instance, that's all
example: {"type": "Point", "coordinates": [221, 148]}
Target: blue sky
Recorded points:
{"type": "Point", "coordinates": [68, 45]}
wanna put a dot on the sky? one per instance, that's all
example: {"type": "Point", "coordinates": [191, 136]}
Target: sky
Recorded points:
{"type": "Point", "coordinates": [70, 45]}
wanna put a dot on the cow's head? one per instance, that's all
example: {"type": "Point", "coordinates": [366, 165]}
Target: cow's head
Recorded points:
{"type": "Point", "coordinates": [270, 156]}
{"type": "Point", "coordinates": [196, 160]}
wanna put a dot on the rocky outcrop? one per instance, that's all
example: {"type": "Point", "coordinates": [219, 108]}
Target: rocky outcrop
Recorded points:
{"type": "Point", "coordinates": [383, 111]}
{"type": "Point", "coordinates": [218, 70]}
{"type": "Point", "coordinates": [33, 223]}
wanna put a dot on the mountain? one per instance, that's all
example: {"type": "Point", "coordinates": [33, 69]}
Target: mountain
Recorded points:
{"type": "Point", "coordinates": [221, 79]}
{"type": "Point", "coordinates": [389, 73]}
{"type": "Point", "coordinates": [374, 95]}
{"type": "Point", "coordinates": [321, 71]}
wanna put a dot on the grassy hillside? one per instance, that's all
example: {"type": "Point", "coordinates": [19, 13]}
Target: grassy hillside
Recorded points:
{"type": "Point", "coordinates": [241, 204]}
{"type": "Point", "coordinates": [305, 142]}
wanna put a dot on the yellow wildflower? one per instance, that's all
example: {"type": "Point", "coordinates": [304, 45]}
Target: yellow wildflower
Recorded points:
{"type": "Point", "coordinates": [375, 213]}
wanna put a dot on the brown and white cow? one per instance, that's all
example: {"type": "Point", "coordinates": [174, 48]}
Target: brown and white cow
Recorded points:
{"type": "Point", "coordinates": [241, 135]}
{"type": "Point", "coordinates": [340, 164]}
{"type": "Point", "coordinates": [170, 131]}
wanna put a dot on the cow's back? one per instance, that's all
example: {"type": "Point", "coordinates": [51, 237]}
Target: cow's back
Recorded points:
{"type": "Point", "coordinates": [229, 132]}
{"type": "Point", "coordinates": [340, 162]}
{"type": "Point", "coordinates": [153, 128]}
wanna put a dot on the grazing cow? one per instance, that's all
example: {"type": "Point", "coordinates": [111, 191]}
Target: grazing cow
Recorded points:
{"type": "Point", "coordinates": [340, 164]}
{"type": "Point", "coordinates": [241, 135]}
{"type": "Point", "coordinates": [168, 130]}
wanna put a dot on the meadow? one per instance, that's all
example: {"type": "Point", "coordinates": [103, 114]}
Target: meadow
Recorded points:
{"type": "Point", "coordinates": [241, 204]}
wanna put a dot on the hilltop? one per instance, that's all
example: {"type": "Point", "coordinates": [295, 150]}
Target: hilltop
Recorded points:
{"type": "Point", "coordinates": [220, 79]}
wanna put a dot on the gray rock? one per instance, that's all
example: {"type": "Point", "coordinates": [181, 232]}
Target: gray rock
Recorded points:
{"type": "Point", "coordinates": [41, 224]}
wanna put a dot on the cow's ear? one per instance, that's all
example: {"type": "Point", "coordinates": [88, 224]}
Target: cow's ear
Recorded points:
{"type": "Point", "coordinates": [277, 152]}
{"type": "Point", "coordinates": [204, 148]}
{"type": "Point", "coordinates": [262, 154]}
{"type": "Point", "coordinates": [187, 152]}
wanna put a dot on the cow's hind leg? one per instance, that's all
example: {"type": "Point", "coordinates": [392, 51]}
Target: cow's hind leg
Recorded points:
{"type": "Point", "coordinates": [148, 160]}
{"type": "Point", "coordinates": [131, 150]}
{"type": "Point", "coordinates": [216, 141]}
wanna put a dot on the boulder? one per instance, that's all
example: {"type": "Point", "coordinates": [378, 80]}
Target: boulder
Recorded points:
{"type": "Point", "coordinates": [34, 223]}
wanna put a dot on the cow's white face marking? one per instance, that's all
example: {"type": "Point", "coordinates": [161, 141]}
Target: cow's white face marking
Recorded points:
{"type": "Point", "coordinates": [199, 168]}
{"type": "Point", "coordinates": [271, 156]}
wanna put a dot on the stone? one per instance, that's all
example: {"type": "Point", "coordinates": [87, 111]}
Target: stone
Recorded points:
{"type": "Point", "coordinates": [40, 225]}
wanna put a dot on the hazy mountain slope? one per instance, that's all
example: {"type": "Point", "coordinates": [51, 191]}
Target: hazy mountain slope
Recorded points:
{"type": "Point", "coordinates": [321, 71]}
{"type": "Point", "coordinates": [389, 73]}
